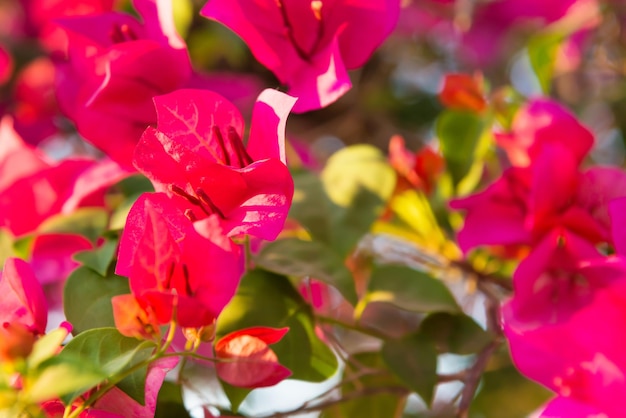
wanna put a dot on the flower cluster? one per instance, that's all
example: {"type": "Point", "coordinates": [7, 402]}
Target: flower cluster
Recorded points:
{"type": "Point", "coordinates": [560, 215]}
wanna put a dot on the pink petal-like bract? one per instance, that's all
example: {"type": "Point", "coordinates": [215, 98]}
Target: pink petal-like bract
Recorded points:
{"type": "Point", "coordinates": [188, 270]}
{"type": "Point", "coordinates": [197, 156]}
{"type": "Point", "coordinates": [116, 66]}
{"type": "Point", "coordinates": [249, 362]}
{"type": "Point", "coordinates": [21, 297]}
{"type": "Point", "coordinates": [309, 45]}
{"type": "Point", "coordinates": [540, 122]}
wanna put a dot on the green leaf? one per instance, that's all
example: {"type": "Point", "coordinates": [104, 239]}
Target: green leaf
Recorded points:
{"type": "Point", "coordinates": [6, 245]}
{"type": "Point", "coordinates": [235, 395]}
{"type": "Point", "coordinates": [88, 222]}
{"type": "Point", "coordinates": [541, 50]}
{"type": "Point", "coordinates": [414, 360]}
{"type": "Point", "coordinates": [63, 375]}
{"type": "Point", "coordinates": [505, 393]}
{"type": "Point", "coordinates": [380, 405]}
{"type": "Point", "coordinates": [355, 168]}
{"type": "Point", "coordinates": [134, 385]}
{"type": "Point", "coordinates": [310, 206]}
{"type": "Point", "coordinates": [183, 16]}
{"type": "Point", "coordinates": [99, 259]}
{"type": "Point", "coordinates": [87, 299]}
{"type": "Point", "coordinates": [108, 350]}
{"type": "Point", "coordinates": [267, 299]}
{"type": "Point", "coordinates": [295, 257]}
{"type": "Point", "coordinates": [459, 134]}
{"type": "Point", "coordinates": [457, 334]}
{"type": "Point", "coordinates": [134, 185]}
{"type": "Point", "coordinates": [359, 181]}
{"type": "Point", "coordinates": [47, 346]}
{"type": "Point", "coordinates": [170, 402]}
{"type": "Point", "coordinates": [407, 289]}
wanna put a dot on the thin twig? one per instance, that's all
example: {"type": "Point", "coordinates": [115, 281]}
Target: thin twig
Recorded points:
{"type": "Point", "coordinates": [399, 390]}
{"type": "Point", "coordinates": [473, 378]}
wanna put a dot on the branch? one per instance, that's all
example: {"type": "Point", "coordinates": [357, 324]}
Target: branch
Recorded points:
{"type": "Point", "coordinates": [473, 378]}
{"type": "Point", "coordinates": [398, 390]}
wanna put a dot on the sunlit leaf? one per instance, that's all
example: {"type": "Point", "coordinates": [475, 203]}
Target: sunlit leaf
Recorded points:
{"type": "Point", "coordinates": [542, 49]}
{"type": "Point", "coordinates": [408, 289]}
{"type": "Point", "coordinates": [60, 376]}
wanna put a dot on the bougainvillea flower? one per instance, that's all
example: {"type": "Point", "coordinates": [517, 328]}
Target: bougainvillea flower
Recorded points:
{"type": "Point", "coordinates": [33, 188]}
{"type": "Point", "coordinates": [561, 288]}
{"type": "Point", "coordinates": [540, 122]}
{"type": "Point", "coordinates": [463, 92]}
{"type": "Point", "coordinates": [247, 359]}
{"type": "Point", "coordinates": [21, 297]}
{"type": "Point", "coordinates": [42, 15]}
{"type": "Point", "coordinates": [527, 202]}
{"type": "Point", "coordinates": [26, 203]}
{"type": "Point", "coordinates": [110, 77]}
{"type": "Point", "coordinates": [309, 45]}
{"type": "Point", "coordinates": [580, 358]}
{"type": "Point", "coordinates": [192, 278]}
{"type": "Point", "coordinates": [197, 156]}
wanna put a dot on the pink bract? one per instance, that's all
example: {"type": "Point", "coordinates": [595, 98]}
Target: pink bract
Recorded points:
{"type": "Point", "coordinates": [309, 45]}
{"type": "Point", "coordinates": [195, 277]}
{"type": "Point", "coordinates": [247, 359]}
{"type": "Point", "coordinates": [540, 122]}
{"type": "Point", "coordinates": [551, 322]}
{"type": "Point", "coordinates": [197, 156]}
{"type": "Point", "coordinates": [528, 202]}
{"type": "Point", "coordinates": [110, 78]}
{"type": "Point", "coordinates": [21, 297]}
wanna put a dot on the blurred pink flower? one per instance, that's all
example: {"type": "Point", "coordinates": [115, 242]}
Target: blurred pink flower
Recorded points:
{"type": "Point", "coordinates": [309, 45]}
{"type": "Point", "coordinates": [21, 297]}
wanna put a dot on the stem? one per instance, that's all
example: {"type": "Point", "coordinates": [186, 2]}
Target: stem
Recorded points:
{"type": "Point", "coordinates": [352, 327]}
{"type": "Point", "coordinates": [473, 378]}
{"type": "Point", "coordinates": [399, 390]}
{"type": "Point", "coordinates": [501, 282]}
{"type": "Point", "coordinates": [171, 332]}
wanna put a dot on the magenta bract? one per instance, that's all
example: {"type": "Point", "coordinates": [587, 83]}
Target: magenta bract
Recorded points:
{"type": "Point", "coordinates": [309, 45]}
{"type": "Point", "coordinates": [197, 156]}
